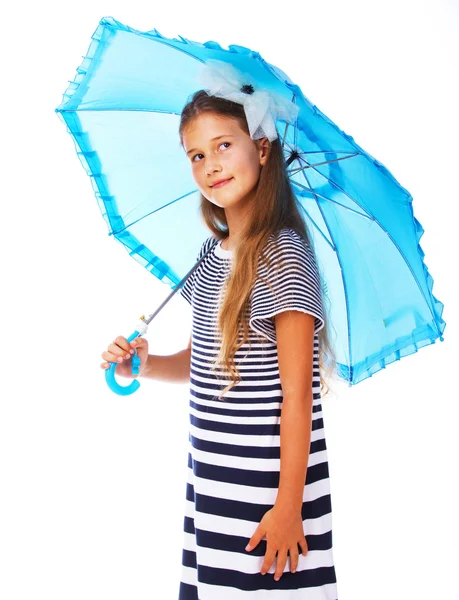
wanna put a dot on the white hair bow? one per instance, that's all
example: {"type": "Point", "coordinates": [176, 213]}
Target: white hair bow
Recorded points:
{"type": "Point", "coordinates": [262, 107]}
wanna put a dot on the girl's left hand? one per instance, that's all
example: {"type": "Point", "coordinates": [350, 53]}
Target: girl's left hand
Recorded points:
{"type": "Point", "coordinates": [284, 531]}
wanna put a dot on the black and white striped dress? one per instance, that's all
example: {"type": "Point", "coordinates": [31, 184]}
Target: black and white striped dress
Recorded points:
{"type": "Point", "coordinates": [234, 443]}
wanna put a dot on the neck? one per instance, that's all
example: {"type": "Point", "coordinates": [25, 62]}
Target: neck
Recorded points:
{"type": "Point", "coordinates": [237, 218]}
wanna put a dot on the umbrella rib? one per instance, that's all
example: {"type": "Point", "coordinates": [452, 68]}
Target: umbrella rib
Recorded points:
{"type": "Point", "coordinates": [372, 217]}
{"type": "Point", "coordinates": [295, 131]}
{"type": "Point", "coordinates": [306, 152]}
{"type": "Point", "coordinates": [320, 231]}
{"type": "Point", "coordinates": [152, 212]}
{"type": "Point", "coordinates": [285, 134]}
{"type": "Point", "coordinates": [102, 109]}
{"type": "Point", "coordinates": [326, 162]}
{"type": "Point", "coordinates": [365, 216]}
{"type": "Point", "coordinates": [326, 152]}
{"type": "Point", "coordinates": [375, 220]}
{"type": "Point", "coordinates": [343, 279]}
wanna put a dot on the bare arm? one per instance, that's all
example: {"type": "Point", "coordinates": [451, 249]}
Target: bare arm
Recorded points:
{"type": "Point", "coordinates": [295, 343]}
{"type": "Point", "coordinates": [174, 368]}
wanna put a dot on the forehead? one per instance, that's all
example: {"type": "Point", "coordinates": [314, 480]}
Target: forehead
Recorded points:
{"type": "Point", "coordinates": [209, 125]}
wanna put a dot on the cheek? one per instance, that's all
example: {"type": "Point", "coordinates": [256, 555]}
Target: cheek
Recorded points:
{"type": "Point", "coordinates": [197, 173]}
{"type": "Point", "coordinates": [245, 165]}
{"type": "Point", "coordinates": [249, 171]}
{"type": "Point", "coordinates": [200, 179]}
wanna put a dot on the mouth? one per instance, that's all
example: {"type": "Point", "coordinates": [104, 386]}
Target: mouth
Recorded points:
{"type": "Point", "coordinates": [222, 183]}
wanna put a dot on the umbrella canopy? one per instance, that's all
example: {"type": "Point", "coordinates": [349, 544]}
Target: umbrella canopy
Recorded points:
{"type": "Point", "coordinates": [123, 111]}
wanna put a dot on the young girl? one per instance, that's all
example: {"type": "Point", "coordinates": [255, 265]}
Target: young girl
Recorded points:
{"type": "Point", "coordinates": [258, 507]}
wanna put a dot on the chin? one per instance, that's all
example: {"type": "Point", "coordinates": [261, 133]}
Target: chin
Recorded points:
{"type": "Point", "coordinates": [212, 201]}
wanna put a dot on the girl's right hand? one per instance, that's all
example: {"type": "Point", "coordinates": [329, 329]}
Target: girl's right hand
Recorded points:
{"type": "Point", "coordinates": [120, 348]}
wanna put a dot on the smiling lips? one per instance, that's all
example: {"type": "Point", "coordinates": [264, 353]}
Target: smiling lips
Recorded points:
{"type": "Point", "coordinates": [221, 183]}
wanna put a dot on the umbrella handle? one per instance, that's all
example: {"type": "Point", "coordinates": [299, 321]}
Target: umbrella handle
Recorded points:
{"type": "Point", "coordinates": [141, 328]}
{"type": "Point", "coordinates": [126, 390]}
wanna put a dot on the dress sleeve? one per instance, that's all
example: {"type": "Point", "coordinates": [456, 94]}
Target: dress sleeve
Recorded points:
{"type": "Point", "coordinates": [294, 285]}
{"type": "Point", "coordinates": [186, 290]}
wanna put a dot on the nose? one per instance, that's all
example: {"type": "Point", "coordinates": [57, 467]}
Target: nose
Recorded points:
{"type": "Point", "coordinates": [212, 166]}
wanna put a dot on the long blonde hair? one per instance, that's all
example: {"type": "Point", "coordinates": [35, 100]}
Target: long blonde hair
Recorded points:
{"type": "Point", "coordinates": [275, 207]}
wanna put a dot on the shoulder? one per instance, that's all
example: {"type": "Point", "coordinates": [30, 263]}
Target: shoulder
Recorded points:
{"type": "Point", "coordinates": [206, 245]}
{"type": "Point", "coordinates": [288, 245]}
{"type": "Point", "coordinates": [208, 242]}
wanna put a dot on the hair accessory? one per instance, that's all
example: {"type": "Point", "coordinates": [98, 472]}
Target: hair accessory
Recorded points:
{"type": "Point", "coordinates": [262, 107]}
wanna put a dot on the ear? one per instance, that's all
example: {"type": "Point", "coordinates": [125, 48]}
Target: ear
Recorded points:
{"type": "Point", "coordinates": [263, 149]}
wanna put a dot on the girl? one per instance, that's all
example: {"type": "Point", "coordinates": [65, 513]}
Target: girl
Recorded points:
{"type": "Point", "coordinates": [258, 485]}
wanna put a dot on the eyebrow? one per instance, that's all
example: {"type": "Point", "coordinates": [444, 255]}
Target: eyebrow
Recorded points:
{"type": "Point", "coordinates": [212, 140]}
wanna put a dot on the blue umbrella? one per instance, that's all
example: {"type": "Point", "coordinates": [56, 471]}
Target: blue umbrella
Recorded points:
{"type": "Point", "coordinates": [123, 110]}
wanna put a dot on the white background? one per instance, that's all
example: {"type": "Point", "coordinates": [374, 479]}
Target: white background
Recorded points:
{"type": "Point", "coordinates": [93, 484]}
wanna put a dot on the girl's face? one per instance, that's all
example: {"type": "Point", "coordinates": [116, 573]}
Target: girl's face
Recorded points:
{"type": "Point", "coordinates": [234, 156]}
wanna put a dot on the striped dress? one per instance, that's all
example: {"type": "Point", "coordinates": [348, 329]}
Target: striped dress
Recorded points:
{"type": "Point", "coordinates": [234, 443]}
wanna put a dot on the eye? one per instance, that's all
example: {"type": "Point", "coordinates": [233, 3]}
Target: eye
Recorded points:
{"type": "Point", "coordinates": [221, 144]}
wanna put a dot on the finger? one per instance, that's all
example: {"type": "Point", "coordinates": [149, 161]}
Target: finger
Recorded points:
{"type": "Point", "coordinates": [255, 539]}
{"type": "Point", "coordinates": [117, 351]}
{"type": "Point", "coordinates": [293, 553]}
{"type": "Point", "coordinates": [116, 358]}
{"type": "Point", "coordinates": [268, 561]}
{"type": "Point", "coordinates": [304, 546]}
{"type": "Point", "coordinates": [280, 564]}
{"type": "Point", "coordinates": [122, 343]}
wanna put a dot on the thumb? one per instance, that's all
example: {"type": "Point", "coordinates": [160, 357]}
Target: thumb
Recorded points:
{"type": "Point", "coordinates": [255, 539]}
